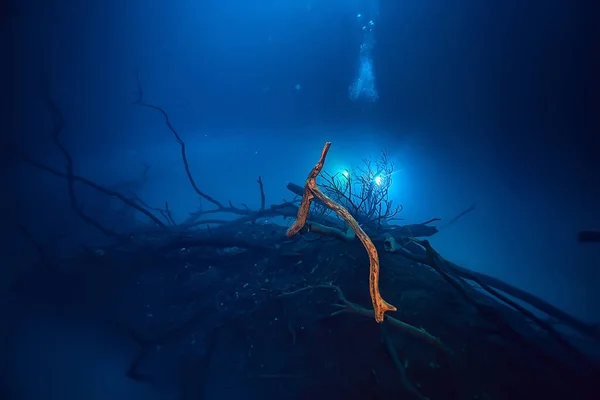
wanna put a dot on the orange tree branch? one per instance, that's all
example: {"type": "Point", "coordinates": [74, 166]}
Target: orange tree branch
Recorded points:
{"type": "Point", "coordinates": [311, 190]}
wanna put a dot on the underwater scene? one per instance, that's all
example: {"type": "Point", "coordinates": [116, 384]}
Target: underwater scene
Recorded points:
{"type": "Point", "coordinates": [299, 199]}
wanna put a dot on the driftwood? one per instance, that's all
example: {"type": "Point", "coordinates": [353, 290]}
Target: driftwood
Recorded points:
{"type": "Point", "coordinates": [311, 190]}
{"type": "Point", "coordinates": [324, 225]}
{"type": "Point", "coordinates": [266, 245]}
{"type": "Point", "coordinates": [298, 190]}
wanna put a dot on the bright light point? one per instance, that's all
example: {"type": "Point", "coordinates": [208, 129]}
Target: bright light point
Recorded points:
{"type": "Point", "coordinates": [346, 174]}
{"type": "Point", "coordinates": [378, 181]}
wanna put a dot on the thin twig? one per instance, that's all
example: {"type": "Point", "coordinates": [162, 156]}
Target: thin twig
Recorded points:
{"type": "Point", "coordinates": [93, 185]}
{"type": "Point", "coordinates": [59, 124]}
{"type": "Point", "coordinates": [140, 102]}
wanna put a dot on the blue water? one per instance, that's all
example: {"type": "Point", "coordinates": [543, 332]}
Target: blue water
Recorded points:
{"type": "Point", "coordinates": [492, 105]}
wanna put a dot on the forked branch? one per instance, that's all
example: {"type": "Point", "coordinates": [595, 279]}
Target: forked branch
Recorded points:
{"type": "Point", "coordinates": [311, 190]}
{"type": "Point", "coordinates": [221, 208]}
